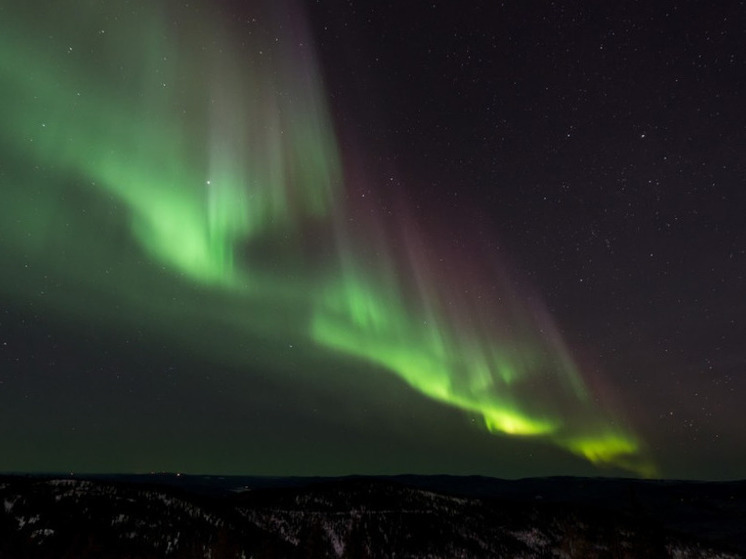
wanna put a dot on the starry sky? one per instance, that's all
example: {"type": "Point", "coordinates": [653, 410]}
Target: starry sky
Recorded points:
{"type": "Point", "coordinates": [337, 237]}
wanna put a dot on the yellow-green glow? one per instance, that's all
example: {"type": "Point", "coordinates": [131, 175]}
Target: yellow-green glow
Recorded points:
{"type": "Point", "coordinates": [211, 155]}
{"type": "Point", "coordinates": [469, 369]}
{"type": "Point", "coordinates": [611, 448]}
{"type": "Point", "coordinates": [420, 355]}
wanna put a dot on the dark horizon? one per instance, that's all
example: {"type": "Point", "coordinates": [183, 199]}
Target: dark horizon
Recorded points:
{"type": "Point", "coordinates": [351, 476]}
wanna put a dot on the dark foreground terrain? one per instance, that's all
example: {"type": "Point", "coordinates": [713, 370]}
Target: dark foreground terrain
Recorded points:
{"type": "Point", "coordinates": [405, 516]}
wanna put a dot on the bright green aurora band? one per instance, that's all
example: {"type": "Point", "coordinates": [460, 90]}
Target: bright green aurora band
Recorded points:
{"type": "Point", "coordinates": [218, 160]}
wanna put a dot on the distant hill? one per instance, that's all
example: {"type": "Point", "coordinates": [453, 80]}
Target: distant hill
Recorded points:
{"type": "Point", "coordinates": [178, 516]}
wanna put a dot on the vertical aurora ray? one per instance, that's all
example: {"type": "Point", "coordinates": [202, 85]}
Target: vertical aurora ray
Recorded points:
{"type": "Point", "coordinates": [202, 164]}
{"type": "Point", "coordinates": [222, 161]}
{"type": "Point", "coordinates": [475, 347]}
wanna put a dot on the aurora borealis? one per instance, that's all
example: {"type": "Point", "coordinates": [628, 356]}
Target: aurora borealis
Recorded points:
{"type": "Point", "coordinates": [181, 175]}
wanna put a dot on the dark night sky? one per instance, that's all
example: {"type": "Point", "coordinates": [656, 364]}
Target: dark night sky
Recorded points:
{"type": "Point", "coordinates": [511, 184]}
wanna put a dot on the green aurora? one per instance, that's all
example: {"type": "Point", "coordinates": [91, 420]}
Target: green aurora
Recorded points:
{"type": "Point", "coordinates": [146, 148]}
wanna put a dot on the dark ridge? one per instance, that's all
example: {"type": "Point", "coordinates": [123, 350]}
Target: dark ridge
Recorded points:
{"type": "Point", "coordinates": [174, 515]}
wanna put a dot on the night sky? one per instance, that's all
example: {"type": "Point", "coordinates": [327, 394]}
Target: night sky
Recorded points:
{"type": "Point", "coordinates": [336, 237]}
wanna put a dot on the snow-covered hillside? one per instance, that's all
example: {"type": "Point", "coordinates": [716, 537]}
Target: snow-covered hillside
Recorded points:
{"type": "Point", "coordinates": [356, 518]}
